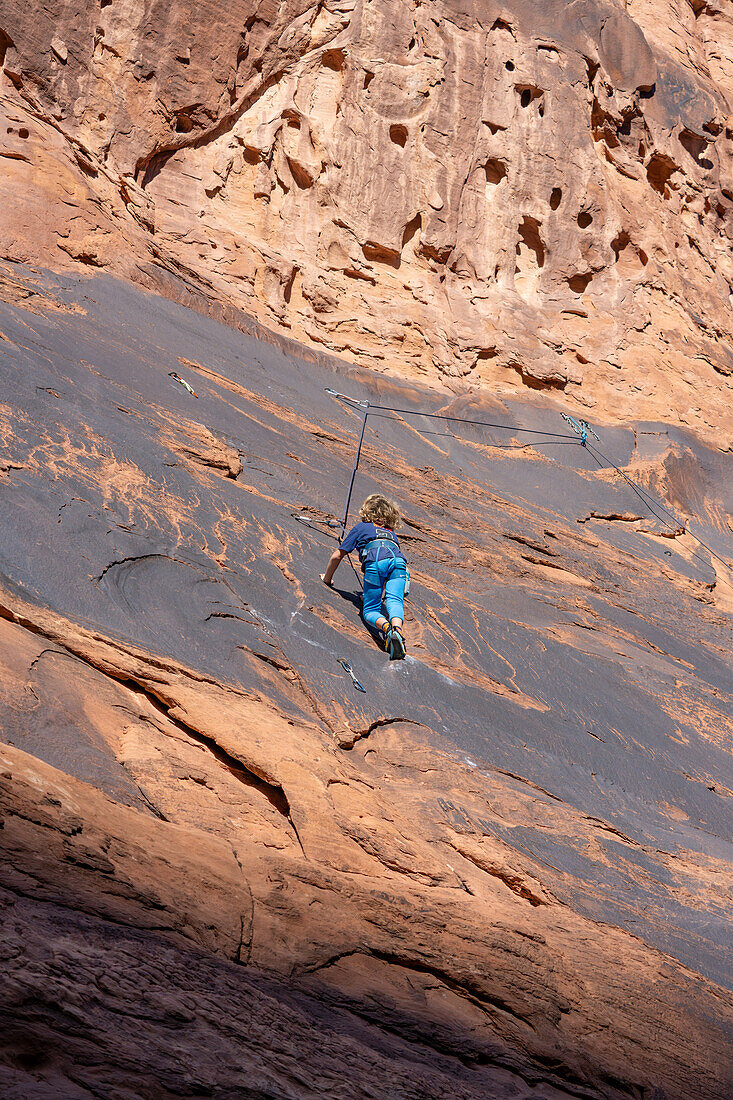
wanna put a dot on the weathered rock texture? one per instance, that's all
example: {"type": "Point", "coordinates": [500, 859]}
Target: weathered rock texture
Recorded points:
{"type": "Point", "coordinates": [504, 871]}
{"type": "Point", "coordinates": [530, 193]}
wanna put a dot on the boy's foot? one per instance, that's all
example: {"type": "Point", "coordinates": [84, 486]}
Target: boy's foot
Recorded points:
{"type": "Point", "coordinates": [396, 644]}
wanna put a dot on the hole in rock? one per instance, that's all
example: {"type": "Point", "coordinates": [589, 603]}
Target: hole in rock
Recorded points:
{"type": "Point", "coordinates": [5, 41]}
{"type": "Point", "coordinates": [102, 116]}
{"type": "Point", "coordinates": [628, 256]}
{"type": "Point", "coordinates": [529, 235]}
{"type": "Point", "coordinates": [584, 219]}
{"type": "Point", "coordinates": [436, 253]}
{"type": "Point", "coordinates": [601, 126]}
{"type": "Point", "coordinates": [528, 93]}
{"type": "Point", "coordinates": [485, 354]}
{"type": "Point", "coordinates": [398, 134]}
{"type": "Point", "coordinates": [620, 242]}
{"type": "Point", "coordinates": [378, 253]}
{"type": "Point", "coordinates": [251, 156]}
{"type": "Point", "coordinates": [334, 59]}
{"type": "Point", "coordinates": [29, 1058]}
{"type": "Point", "coordinates": [510, 66]}
{"type": "Point", "coordinates": [368, 78]}
{"type": "Point", "coordinates": [23, 132]}
{"type": "Point", "coordinates": [104, 3]}
{"type": "Point", "coordinates": [184, 123]}
{"type": "Point", "coordinates": [494, 127]}
{"type": "Point", "coordinates": [659, 170]}
{"type": "Point", "coordinates": [548, 49]}
{"type": "Point", "coordinates": [555, 198]}
{"type": "Point", "coordinates": [502, 25]}
{"type": "Point", "coordinates": [541, 110]}
{"type": "Point", "coordinates": [413, 42]}
{"type": "Point", "coordinates": [579, 283]}
{"type": "Point", "coordinates": [495, 170]}
{"type": "Point", "coordinates": [696, 146]}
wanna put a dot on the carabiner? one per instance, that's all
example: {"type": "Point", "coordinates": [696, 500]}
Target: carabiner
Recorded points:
{"type": "Point", "coordinates": [347, 668]}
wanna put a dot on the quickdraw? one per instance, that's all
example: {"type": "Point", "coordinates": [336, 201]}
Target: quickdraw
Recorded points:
{"type": "Point", "coordinates": [347, 668]}
{"type": "Point", "coordinates": [581, 428]}
{"type": "Point", "coordinates": [177, 378]}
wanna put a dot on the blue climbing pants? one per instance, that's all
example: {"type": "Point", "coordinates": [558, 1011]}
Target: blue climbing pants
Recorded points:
{"type": "Point", "coordinates": [389, 576]}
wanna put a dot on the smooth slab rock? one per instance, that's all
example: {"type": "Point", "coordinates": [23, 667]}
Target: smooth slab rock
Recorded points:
{"type": "Point", "coordinates": [503, 870]}
{"type": "Point", "coordinates": [626, 55]}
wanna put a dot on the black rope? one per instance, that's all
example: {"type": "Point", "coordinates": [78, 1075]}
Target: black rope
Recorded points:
{"type": "Point", "coordinates": [557, 442]}
{"type": "Point", "coordinates": [665, 522]}
{"type": "Point", "coordinates": [550, 437]}
{"type": "Point", "coordinates": [457, 419]}
{"type": "Point", "coordinates": [648, 500]}
{"type": "Point", "coordinates": [476, 423]}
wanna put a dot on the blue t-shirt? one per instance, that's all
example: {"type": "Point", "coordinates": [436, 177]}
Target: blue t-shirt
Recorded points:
{"type": "Point", "coordinates": [362, 533]}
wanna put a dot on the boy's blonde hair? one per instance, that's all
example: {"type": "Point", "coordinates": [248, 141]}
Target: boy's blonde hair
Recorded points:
{"type": "Point", "coordinates": [378, 509]}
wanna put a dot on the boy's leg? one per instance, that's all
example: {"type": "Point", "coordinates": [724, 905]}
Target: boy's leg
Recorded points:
{"type": "Point", "coordinates": [395, 594]}
{"type": "Point", "coordinates": [371, 607]}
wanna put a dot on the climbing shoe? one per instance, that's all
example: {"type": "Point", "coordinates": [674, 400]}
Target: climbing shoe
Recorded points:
{"type": "Point", "coordinates": [396, 644]}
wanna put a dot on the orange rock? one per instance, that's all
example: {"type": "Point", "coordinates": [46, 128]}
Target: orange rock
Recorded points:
{"type": "Point", "coordinates": [484, 200]}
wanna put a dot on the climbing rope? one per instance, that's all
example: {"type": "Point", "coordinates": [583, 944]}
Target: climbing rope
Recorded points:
{"type": "Point", "coordinates": [559, 441]}
{"type": "Point", "coordinates": [444, 416]}
{"type": "Point", "coordinates": [581, 431]}
{"type": "Point", "coordinates": [648, 500]}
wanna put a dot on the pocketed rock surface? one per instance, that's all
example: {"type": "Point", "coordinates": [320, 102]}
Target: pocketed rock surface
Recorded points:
{"type": "Point", "coordinates": [520, 195]}
{"type": "Point", "coordinates": [502, 871]}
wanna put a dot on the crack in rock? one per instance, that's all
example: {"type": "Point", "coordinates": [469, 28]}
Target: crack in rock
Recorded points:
{"type": "Point", "coordinates": [272, 791]}
{"type": "Point", "coordinates": [348, 740]}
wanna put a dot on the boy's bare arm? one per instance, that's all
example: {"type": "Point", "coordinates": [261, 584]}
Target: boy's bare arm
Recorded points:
{"type": "Point", "coordinates": [333, 564]}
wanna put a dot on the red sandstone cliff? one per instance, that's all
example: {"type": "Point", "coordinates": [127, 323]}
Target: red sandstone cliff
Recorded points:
{"type": "Point", "coordinates": [521, 194]}
{"type": "Point", "coordinates": [504, 871]}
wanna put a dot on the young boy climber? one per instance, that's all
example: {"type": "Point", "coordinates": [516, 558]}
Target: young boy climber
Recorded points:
{"type": "Point", "coordinates": [384, 568]}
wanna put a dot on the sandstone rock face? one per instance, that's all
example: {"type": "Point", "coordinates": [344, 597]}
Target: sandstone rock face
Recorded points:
{"type": "Point", "coordinates": [502, 871]}
{"type": "Point", "coordinates": [480, 195]}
